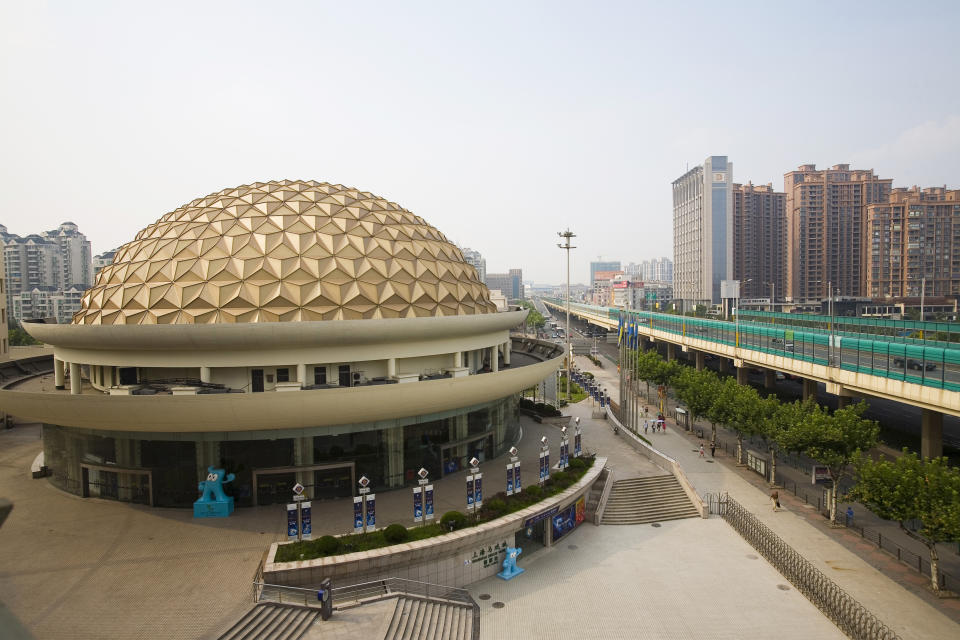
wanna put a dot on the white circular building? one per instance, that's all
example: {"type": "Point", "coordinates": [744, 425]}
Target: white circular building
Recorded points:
{"type": "Point", "coordinates": [288, 332]}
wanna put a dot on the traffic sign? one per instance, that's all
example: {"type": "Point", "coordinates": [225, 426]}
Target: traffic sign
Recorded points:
{"type": "Point", "coordinates": [298, 488]}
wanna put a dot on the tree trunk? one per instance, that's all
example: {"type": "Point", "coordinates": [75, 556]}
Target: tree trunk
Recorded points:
{"type": "Point", "coordinates": [713, 432]}
{"type": "Point", "coordinates": [934, 564]}
{"type": "Point", "coordinates": [833, 503]}
{"type": "Point", "coordinates": [739, 448]}
{"type": "Point", "coordinates": [773, 467]}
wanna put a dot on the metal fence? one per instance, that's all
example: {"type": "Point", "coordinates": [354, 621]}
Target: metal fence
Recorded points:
{"type": "Point", "coordinates": [850, 616]}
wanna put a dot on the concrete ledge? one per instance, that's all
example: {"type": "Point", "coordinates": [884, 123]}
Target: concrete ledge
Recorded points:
{"type": "Point", "coordinates": [450, 559]}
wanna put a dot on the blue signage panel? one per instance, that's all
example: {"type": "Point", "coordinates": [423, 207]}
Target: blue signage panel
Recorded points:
{"type": "Point", "coordinates": [510, 479]}
{"type": "Point", "coordinates": [428, 501]}
{"type": "Point", "coordinates": [305, 522]}
{"type": "Point", "coordinates": [517, 485]}
{"type": "Point", "coordinates": [417, 504]}
{"type": "Point", "coordinates": [372, 511]}
{"type": "Point", "coordinates": [478, 490]}
{"type": "Point", "coordinates": [469, 492]}
{"type": "Point", "coordinates": [292, 525]}
{"type": "Point", "coordinates": [358, 514]}
{"type": "Point", "coordinates": [546, 464]}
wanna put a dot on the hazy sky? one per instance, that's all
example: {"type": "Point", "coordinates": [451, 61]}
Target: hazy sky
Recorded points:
{"type": "Point", "coordinates": [499, 123]}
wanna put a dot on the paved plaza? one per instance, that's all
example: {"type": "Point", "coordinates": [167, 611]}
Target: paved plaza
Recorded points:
{"type": "Point", "coordinates": [78, 569]}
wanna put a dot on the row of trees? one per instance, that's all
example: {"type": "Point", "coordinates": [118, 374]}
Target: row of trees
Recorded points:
{"type": "Point", "coordinates": [902, 490]}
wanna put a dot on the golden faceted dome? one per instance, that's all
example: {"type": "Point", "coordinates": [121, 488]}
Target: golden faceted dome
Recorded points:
{"type": "Point", "coordinates": [284, 251]}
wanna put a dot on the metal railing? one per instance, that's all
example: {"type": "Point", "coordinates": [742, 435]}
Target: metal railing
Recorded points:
{"type": "Point", "coordinates": [364, 592]}
{"type": "Point", "coordinates": [841, 608]}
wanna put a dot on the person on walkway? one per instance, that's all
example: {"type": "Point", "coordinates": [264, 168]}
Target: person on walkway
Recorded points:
{"type": "Point", "coordinates": [775, 499]}
{"type": "Point", "coordinates": [646, 426]}
{"type": "Point", "coordinates": [701, 450]}
{"type": "Point", "coordinates": [713, 448]}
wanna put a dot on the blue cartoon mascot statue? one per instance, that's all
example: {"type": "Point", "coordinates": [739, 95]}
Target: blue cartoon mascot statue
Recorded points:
{"type": "Point", "coordinates": [510, 568]}
{"type": "Point", "coordinates": [214, 503]}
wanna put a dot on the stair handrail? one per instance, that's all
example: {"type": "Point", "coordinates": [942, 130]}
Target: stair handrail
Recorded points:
{"type": "Point", "coordinates": [604, 495]}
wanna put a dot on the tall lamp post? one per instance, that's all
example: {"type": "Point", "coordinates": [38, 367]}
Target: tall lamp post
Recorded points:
{"type": "Point", "coordinates": [773, 295]}
{"type": "Point", "coordinates": [567, 235]}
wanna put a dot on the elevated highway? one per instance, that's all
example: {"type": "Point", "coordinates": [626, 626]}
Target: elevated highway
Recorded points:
{"type": "Point", "coordinates": [903, 371]}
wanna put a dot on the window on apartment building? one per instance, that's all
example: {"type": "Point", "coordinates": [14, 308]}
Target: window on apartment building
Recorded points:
{"type": "Point", "coordinates": [283, 375]}
{"type": "Point", "coordinates": [319, 375]}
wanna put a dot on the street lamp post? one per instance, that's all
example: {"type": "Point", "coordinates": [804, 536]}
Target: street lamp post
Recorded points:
{"type": "Point", "coordinates": [567, 235]}
{"type": "Point", "coordinates": [773, 296]}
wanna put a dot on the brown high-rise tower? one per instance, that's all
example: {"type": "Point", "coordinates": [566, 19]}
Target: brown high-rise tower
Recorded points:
{"type": "Point", "coordinates": [826, 229]}
{"type": "Point", "coordinates": [759, 240]}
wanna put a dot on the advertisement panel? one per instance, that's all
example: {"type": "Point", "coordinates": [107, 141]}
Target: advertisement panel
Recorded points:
{"type": "Point", "coordinates": [417, 504]}
{"type": "Point", "coordinates": [305, 525]}
{"type": "Point", "coordinates": [358, 514]}
{"type": "Point", "coordinates": [371, 511]}
{"type": "Point", "coordinates": [428, 501]}
{"type": "Point", "coordinates": [292, 525]}
{"type": "Point", "coordinates": [510, 479]}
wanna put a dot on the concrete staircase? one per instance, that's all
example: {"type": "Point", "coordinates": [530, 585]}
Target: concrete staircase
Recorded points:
{"type": "Point", "coordinates": [269, 621]}
{"type": "Point", "coordinates": [642, 500]}
{"type": "Point", "coordinates": [419, 619]}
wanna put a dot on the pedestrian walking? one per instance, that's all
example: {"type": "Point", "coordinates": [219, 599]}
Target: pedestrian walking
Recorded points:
{"type": "Point", "coordinates": [713, 448]}
{"type": "Point", "coordinates": [701, 450]}
{"type": "Point", "coordinates": [646, 426]}
{"type": "Point", "coordinates": [775, 499]}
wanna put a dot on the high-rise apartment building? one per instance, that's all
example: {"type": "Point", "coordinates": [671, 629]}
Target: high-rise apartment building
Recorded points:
{"type": "Point", "coordinates": [702, 232]}
{"type": "Point", "coordinates": [661, 270]}
{"type": "Point", "coordinates": [612, 265]}
{"type": "Point", "coordinates": [759, 240]}
{"type": "Point", "coordinates": [510, 283]}
{"type": "Point", "coordinates": [105, 259]}
{"type": "Point", "coordinates": [914, 244]}
{"type": "Point", "coordinates": [826, 229]}
{"type": "Point", "coordinates": [478, 262]}
{"type": "Point", "coordinates": [56, 260]}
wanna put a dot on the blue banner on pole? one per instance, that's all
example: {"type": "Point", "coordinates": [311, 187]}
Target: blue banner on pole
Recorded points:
{"type": "Point", "coordinates": [372, 511]}
{"type": "Point", "coordinates": [358, 514]}
{"type": "Point", "coordinates": [510, 479]}
{"type": "Point", "coordinates": [576, 446]}
{"type": "Point", "coordinates": [541, 467]}
{"type": "Point", "coordinates": [305, 521]}
{"type": "Point", "coordinates": [428, 501]}
{"type": "Point", "coordinates": [292, 525]}
{"type": "Point", "coordinates": [417, 504]}
{"type": "Point", "coordinates": [546, 464]}
{"type": "Point", "coordinates": [517, 485]}
{"type": "Point", "coordinates": [478, 490]}
{"type": "Point", "coordinates": [469, 493]}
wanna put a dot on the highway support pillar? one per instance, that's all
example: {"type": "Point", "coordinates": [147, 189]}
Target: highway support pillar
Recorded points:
{"type": "Point", "coordinates": [843, 402]}
{"type": "Point", "coordinates": [671, 352]}
{"type": "Point", "coordinates": [742, 377]}
{"type": "Point", "coordinates": [809, 389]}
{"type": "Point", "coordinates": [724, 365]}
{"type": "Point", "coordinates": [931, 434]}
{"type": "Point", "coordinates": [700, 358]}
{"type": "Point", "coordinates": [769, 379]}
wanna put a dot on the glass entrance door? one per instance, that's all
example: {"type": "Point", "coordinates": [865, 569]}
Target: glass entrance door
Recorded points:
{"type": "Point", "coordinates": [256, 380]}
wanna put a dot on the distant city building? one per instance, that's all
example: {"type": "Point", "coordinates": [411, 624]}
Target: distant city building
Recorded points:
{"type": "Point", "coordinates": [102, 260]}
{"type": "Point", "coordinates": [51, 262]}
{"type": "Point", "coordinates": [510, 283]}
{"type": "Point", "coordinates": [661, 270]}
{"type": "Point", "coordinates": [4, 328]}
{"type": "Point", "coordinates": [826, 213]}
{"type": "Point", "coordinates": [634, 270]}
{"type": "Point", "coordinates": [913, 248]}
{"type": "Point", "coordinates": [474, 258]}
{"type": "Point", "coordinates": [703, 232]}
{"type": "Point", "coordinates": [601, 289]}
{"type": "Point", "coordinates": [48, 302]}
{"type": "Point", "coordinates": [611, 265]}
{"type": "Point", "coordinates": [759, 240]}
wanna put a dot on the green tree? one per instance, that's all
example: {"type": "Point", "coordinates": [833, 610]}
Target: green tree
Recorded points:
{"type": "Point", "coordinates": [748, 416]}
{"type": "Point", "coordinates": [913, 489]}
{"type": "Point", "coordinates": [833, 440]}
{"type": "Point", "coordinates": [696, 390]}
{"type": "Point", "coordinates": [778, 418]}
{"type": "Point", "coordinates": [17, 337]}
{"type": "Point", "coordinates": [723, 410]}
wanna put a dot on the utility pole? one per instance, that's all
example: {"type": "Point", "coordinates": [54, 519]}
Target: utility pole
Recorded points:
{"type": "Point", "coordinates": [923, 290]}
{"type": "Point", "coordinates": [567, 235]}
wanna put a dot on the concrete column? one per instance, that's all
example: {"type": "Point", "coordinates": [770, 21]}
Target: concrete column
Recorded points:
{"type": "Point", "coordinates": [843, 401]}
{"type": "Point", "coordinates": [457, 359]}
{"type": "Point", "coordinates": [769, 379]}
{"type": "Point", "coordinates": [671, 352]}
{"type": "Point", "coordinates": [391, 367]}
{"type": "Point", "coordinates": [393, 442]}
{"type": "Point", "coordinates": [75, 381]}
{"type": "Point", "coordinates": [458, 431]}
{"type": "Point", "coordinates": [302, 375]}
{"type": "Point", "coordinates": [204, 374]}
{"type": "Point", "coordinates": [931, 434]}
{"type": "Point", "coordinates": [724, 365]}
{"type": "Point", "coordinates": [809, 389]}
{"type": "Point", "coordinates": [494, 359]}
{"type": "Point", "coordinates": [700, 359]}
{"type": "Point", "coordinates": [128, 456]}
{"type": "Point", "coordinates": [58, 374]}
{"type": "Point", "coordinates": [109, 381]}
{"type": "Point", "coordinates": [506, 352]}
{"type": "Point", "coordinates": [742, 377]}
{"type": "Point", "coordinates": [499, 415]}
{"type": "Point", "coordinates": [303, 457]}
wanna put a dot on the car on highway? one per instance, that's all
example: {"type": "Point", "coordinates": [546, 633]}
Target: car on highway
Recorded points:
{"type": "Point", "coordinates": [780, 343]}
{"type": "Point", "coordinates": [919, 365]}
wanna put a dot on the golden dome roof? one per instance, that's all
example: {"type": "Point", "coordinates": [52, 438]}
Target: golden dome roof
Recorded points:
{"type": "Point", "coordinates": [281, 251]}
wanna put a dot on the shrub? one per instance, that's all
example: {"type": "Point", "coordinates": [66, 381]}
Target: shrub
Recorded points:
{"type": "Point", "coordinates": [395, 533]}
{"type": "Point", "coordinates": [533, 490]}
{"type": "Point", "coordinates": [577, 463]}
{"type": "Point", "coordinates": [560, 478]}
{"type": "Point", "coordinates": [453, 520]}
{"type": "Point", "coordinates": [538, 407]}
{"type": "Point", "coordinates": [328, 545]}
{"type": "Point", "coordinates": [496, 505]}
{"type": "Point", "coordinates": [526, 403]}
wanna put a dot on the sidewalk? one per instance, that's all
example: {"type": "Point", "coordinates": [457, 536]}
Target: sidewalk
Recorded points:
{"type": "Point", "coordinates": [900, 608]}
